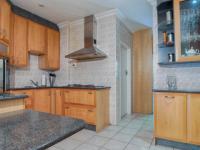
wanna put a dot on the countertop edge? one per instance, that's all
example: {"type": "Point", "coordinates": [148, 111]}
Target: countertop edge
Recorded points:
{"type": "Point", "coordinates": [174, 91]}
{"type": "Point", "coordinates": [59, 87]}
{"type": "Point", "coordinates": [15, 97]}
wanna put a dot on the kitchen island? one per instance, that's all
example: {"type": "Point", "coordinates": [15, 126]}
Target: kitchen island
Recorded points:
{"type": "Point", "coordinates": [31, 130]}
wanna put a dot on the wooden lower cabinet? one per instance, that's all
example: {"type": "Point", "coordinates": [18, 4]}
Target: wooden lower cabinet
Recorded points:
{"type": "Point", "coordinates": [170, 116]}
{"type": "Point", "coordinates": [177, 117]}
{"type": "Point", "coordinates": [81, 112]}
{"type": "Point", "coordinates": [42, 100]}
{"type": "Point", "coordinates": [57, 102]}
{"type": "Point", "coordinates": [28, 100]}
{"type": "Point", "coordinates": [193, 118]}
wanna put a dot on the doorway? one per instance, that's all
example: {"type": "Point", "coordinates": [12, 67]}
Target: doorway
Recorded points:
{"type": "Point", "coordinates": [125, 80]}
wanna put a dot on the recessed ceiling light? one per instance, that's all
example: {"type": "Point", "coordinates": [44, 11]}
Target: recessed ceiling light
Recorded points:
{"type": "Point", "coordinates": [41, 5]}
{"type": "Point", "coordinates": [194, 1]}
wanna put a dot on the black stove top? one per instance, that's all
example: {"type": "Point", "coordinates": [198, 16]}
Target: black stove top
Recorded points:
{"type": "Point", "coordinates": [83, 85]}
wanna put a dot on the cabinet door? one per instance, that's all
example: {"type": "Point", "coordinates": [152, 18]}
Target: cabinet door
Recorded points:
{"type": "Point", "coordinates": [5, 14]}
{"type": "Point", "coordinates": [170, 116]}
{"type": "Point", "coordinates": [42, 100]}
{"type": "Point", "coordinates": [19, 38]}
{"type": "Point", "coordinates": [193, 118]}
{"type": "Point", "coordinates": [36, 38]}
{"type": "Point", "coordinates": [29, 100]}
{"type": "Point", "coordinates": [59, 102]}
{"type": "Point", "coordinates": [80, 112]}
{"type": "Point", "coordinates": [51, 60]}
{"type": "Point", "coordinates": [71, 96]}
{"type": "Point", "coordinates": [186, 14]}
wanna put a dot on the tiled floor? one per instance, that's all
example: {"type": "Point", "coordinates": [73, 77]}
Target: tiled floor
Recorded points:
{"type": "Point", "coordinates": [134, 132]}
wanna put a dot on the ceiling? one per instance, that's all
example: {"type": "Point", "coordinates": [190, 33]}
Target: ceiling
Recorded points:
{"type": "Point", "coordinates": [138, 12]}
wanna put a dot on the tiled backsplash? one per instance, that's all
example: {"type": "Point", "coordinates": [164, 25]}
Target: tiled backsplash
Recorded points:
{"type": "Point", "coordinates": [187, 77]}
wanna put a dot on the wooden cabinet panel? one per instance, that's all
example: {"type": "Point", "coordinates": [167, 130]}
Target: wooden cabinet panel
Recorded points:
{"type": "Point", "coordinates": [36, 38]}
{"type": "Point", "coordinates": [29, 100]}
{"type": "Point", "coordinates": [193, 118]}
{"type": "Point", "coordinates": [5, 14]}
{"type": "Point", "coordinates": [81, 112]}
{"type": "Point", "coordinates": [170, 116]}
{"type": "Point", "coordinates": [51, 60]}
{"type": "Point", "coordinates": [42, 100]}
{"type": "Point", "coordinates": [57, 102]}
{"type": "Point", "coordinates": [19, 52]}
{"type": "Point", "coordinates": [83, 97]}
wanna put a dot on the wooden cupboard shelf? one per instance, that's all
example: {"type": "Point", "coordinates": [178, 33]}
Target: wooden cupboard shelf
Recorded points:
{"type": "Point", "coordinates": [179, 64]}
{"type": "Point", "coordinates": [163, 26]}
{"type": "Point", "coordinates": [162, 45]}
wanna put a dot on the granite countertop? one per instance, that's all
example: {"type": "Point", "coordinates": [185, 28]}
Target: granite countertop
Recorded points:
{"type": "Point", "coordinates": [30, 130]}
{"type": "Point", "coordinates": [176, 91]}
{"type": "Point", "coordinates": [64, 86]}
{"type": "Point", "coordinates": [5, 96]}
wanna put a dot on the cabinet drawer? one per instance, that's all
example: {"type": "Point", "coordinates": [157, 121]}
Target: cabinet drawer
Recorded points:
{"type": "Point", "coordinates": [170, 116]}
{"type": "Point", "coordinates": [84, 97]}
{"type": "Point", "coordinates": [79, 112]}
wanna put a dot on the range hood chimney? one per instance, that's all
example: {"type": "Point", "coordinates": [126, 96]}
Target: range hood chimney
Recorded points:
{"type": "Point", "coordinates": [90, 52]}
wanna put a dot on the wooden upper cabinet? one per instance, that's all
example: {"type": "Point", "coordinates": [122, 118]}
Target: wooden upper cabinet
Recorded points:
{"type": "Point", "coordinates": [187, 30]}
{"type": "Point", "coordinates": [36, 38]}
{"type": "Point", "coordinates": [42, 100]}
{"type": "Point", "coordinates": [19, 53]}
{"type": "Point", "coordinates": [171, 116]}
{"type": "Point", "coordinates": [5, 14]}
{"type": "Point", "coordinates": [51, 60]}
{"type": "Point", "coordinates": [193, 118]}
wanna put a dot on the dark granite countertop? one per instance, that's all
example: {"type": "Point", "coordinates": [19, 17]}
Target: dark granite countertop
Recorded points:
{"type": "Point", "coordinates": [65, 86]}
{"type": "Point", "coordinates": [176, 91]}
{"type": "Point", "coordinates": [5, 97]}
{"type": "Point", "coordinates": [30, 130]}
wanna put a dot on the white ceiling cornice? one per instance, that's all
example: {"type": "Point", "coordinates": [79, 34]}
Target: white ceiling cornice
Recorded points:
{"type": "Point", "coordinates": [63, 24]}
{"type": "Point", "coordinates": [152, 2]}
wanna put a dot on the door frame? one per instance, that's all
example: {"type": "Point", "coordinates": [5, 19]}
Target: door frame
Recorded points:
{"type": "Point", "coordinates": [129, 79]}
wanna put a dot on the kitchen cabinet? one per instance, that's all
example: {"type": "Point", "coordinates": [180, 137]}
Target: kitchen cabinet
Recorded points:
{"type": "Point", "coordinates": [18, 53]}
{"type": "Point", "coordinates": [84, 97]}
{"type": "Point", "coordinates": [81, 112]}
{"type": "Point", "coordinates": [36, 38]}
{"type": "Point", "coordinates": [42, 100]}
{"type": "Point", "coordinates": [28, 100]}
{"type": "Point", "coordinates": [170, 116]}
{"type": "Point", "coordinates": [51, 59]}
{"type": "Point", "coordinates": [193, 118]}
{"type": "Point", "coordinates": [56, 102]}
{"type": "Point", "coordinates": [90, 105]}
{"type": "Point", "coordinates": [187, 27]}
{"type": "Point", "coordinates": [5, 14]}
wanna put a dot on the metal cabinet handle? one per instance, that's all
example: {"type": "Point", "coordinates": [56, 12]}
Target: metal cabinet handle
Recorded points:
{"type": "Point", "coordinates": [90, 110]}
{"type": "Point", "coordinates": [89, 92]}
{"type": "Point", "coordinates": [170, 97]}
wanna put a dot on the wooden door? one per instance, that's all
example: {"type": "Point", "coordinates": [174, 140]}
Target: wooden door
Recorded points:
{"type": "Point", "coordinates": [170, 116]}
{"type": "Point", "coordinates": [71, 96]}
{"type": "Point", "coordinates": [142, 70]}
{"type": "Point", "coordinates": [5, 15]}
{"type": "Point", "coordinates": [36, 38]}
{"type": "Point", "coordinates": [42, 100]}
{"type": "Point", "coordinates": [19, 41]}
{"type": "Point", "coordinates": [193, 118]}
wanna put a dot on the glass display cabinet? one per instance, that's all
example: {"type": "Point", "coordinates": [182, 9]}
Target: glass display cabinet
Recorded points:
{"type": "Point", "coordinates": [187, 30]}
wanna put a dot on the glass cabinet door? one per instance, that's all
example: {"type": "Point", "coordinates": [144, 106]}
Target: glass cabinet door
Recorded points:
{"type": "Point", "coordinates": [187, 30]}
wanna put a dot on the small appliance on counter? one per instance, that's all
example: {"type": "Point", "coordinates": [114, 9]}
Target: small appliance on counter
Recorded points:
{"type": "Point", "coordinates": [52, 79]}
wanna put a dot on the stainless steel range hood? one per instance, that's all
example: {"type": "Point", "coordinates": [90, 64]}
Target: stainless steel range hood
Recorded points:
{"type": "Point", "coordinates": [90, 52]}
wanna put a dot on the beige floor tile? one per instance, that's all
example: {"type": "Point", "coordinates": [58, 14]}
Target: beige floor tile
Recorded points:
{"type": "Point", "coordinates": [158, 147]}
{"type": "Point", "coordinates": [83, 135]}
{"type": "Point", "coordinates": [98, 140]}
{"type": "Point", "coordinates": [145, 134]}
{"type": "Point", "coordinates": [107, 133]}
{"type": "Point", "coordinates": [140, 141]}
{"type": "Point", "coordinates": [135, 147]}
{"type": "Point", "coordinates": [114, 128]}
{"type": "Point", "coordinates": [87, 147]}
{"type": "Point", "coordinates": [52, 148]}
{"type": "Point", "coordinates": [67, 144]}
{"type": "Point", "coordinates": [129, 131]}
{"type": "Point", "coordinates": [115, 145]}
{"type": "Point", "coordinates": [123, 137]}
